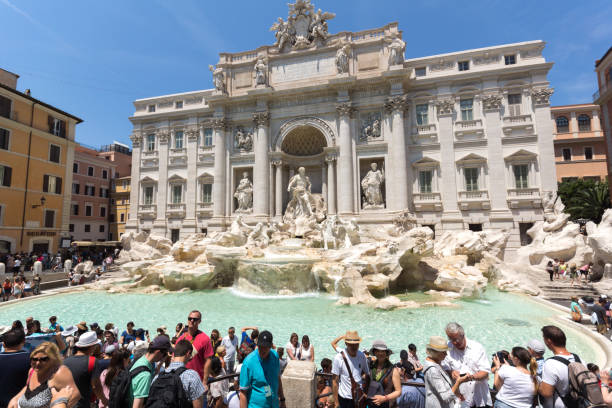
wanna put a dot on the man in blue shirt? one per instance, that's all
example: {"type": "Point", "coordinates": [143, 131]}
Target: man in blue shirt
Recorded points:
{"type": "Point", "coordinates": [260, 383]}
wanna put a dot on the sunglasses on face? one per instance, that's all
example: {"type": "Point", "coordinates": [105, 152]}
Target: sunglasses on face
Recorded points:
{"type": "Point", "coordinates": [39, 359]}
{"type": "Point", "coordinates": [193, 319]}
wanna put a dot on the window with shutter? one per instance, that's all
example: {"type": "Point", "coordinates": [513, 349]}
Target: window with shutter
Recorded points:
{"type": "Point", "coordinates": [4, 139]}
{"type": "Point", "coordinates": [93, 190]}
{"type": "Point", "coordinates": [5, 175]}
{"type": "Point", "coordinates": [88, 210]}
{"type": "Point", "coordinates": [5, 107]}
{"type": "Point", "coordinates": [49, 218]}
{"type": "Point", "coordinates": [514, 104]}
{"type": "Point", "coordinates": [54, 153]}
{"type": "Point", "coordinates": [58, 185]}
{"type": "Point", "coordinates": [45, 183]}
{"type": "Point", "coordinates": [102, 211]}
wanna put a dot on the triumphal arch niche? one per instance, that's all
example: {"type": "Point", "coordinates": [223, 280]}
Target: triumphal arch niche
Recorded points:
{"type": "Point", "coordinates": [326, 105]}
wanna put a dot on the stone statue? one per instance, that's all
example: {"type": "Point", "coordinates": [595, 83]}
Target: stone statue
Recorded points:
{"type": "Point", "coordinates": [342, 59]}
{"type": "Point", "coordinates": [244, 194]}
{"type": "Point", "coordinates": [370, 128]}
{"type": "Point", "coordinates": [282, 34]}
{"type": "Point", "coordinates": [243, 139]}
{"type": "Point", "coordinates": [396, 51]}
{"type": "Point", "coordinates": [218, 78]}
{"type": "Point", "coordinates": [371, 185]}
{"type": "Point", "coordinates": [261, 68]}
{"type": "Point", "coordinates": [318, 26]}
{"type": "Point", "coordinates": [299, 189]}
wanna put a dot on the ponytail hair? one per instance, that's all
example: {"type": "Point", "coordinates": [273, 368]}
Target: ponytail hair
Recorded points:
{"type": "Point", "coordinates": [524, 358]}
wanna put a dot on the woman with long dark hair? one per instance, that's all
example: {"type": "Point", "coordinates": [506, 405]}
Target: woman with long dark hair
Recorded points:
{"type": "Point", "coordinates": [119, 361]}
{"type": "Point", "coordinates": [517, 384]}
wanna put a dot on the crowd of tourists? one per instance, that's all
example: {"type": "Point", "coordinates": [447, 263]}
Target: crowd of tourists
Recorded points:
{"type": "Point", "coordinates": [86, 365]}
{"type": "Point", "coordinates": [561, 270]}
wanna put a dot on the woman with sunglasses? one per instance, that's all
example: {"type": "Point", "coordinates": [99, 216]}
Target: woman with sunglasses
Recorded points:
{"type": "Point", "coordinates": [46, 378]}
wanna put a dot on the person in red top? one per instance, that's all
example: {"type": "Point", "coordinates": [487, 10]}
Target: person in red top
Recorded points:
{"type": "Point", "coordinates": [200, 361]}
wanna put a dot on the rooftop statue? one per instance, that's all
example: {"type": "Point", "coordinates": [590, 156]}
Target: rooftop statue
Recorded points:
{"type": "Point", "coordinates": [218, 78]}
{"type": "Point", "coordinates": [303, 27]}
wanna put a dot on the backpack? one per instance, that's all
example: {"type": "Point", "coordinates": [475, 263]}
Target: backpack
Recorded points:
{"type": "Point", "coordinates": [584, 390]}
{"type": "Point", "coordinates": [167, 391]}
{"type": "Point", "coordinates": [121, 387]}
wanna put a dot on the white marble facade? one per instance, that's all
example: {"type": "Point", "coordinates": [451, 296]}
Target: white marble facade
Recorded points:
{"type": "Point", "coordinates": [462, 140]}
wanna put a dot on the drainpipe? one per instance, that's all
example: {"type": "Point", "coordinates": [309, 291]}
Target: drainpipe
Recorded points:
{"type": "Point", "coordinates": [25, 193]}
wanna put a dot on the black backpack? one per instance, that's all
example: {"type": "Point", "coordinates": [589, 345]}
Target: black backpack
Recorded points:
{"type": "Point", "coordinates": [121, 387]}
{"type": "Point", "coordinates": [167, 391]}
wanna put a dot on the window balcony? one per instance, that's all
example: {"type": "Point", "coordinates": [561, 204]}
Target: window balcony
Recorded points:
{"type": "Point", "coordinates": [178, 152]}
{"type": "Point", "coordinates": [176, 210]}
{"type": "Point", "coordinates": [519, 122]}
{"type": "Point", "coordinates": [149, 153]}
{"type": "Point", "coordinates": [524, 197]}
{"type": "Point", "coordinates": [474, 200]}
{"type": "Point", "coordinates": [427, 201]}
{"type": "Point", "coordinates": [147, 211]}
{"type": "Point", "coordinates": [207, 148]}
{"type": "Point", "coordinates": [205, 209]}
{"type": "Point", "coordinates": [426, 134]}
{"type": "Point", "coordinates": [149, 163]}
{"type": "Point", "coordinates": [464, 128]}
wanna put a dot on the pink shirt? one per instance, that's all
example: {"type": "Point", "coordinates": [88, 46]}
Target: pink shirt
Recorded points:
{"type": "Point", "coordinates": [203, 347]}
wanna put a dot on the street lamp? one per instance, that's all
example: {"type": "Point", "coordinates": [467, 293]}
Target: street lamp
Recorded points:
{"type": "Point", "coordinates": [42, 202]}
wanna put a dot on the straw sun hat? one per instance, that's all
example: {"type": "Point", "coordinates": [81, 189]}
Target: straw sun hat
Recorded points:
{"type": "Point", "coordinates": [437, 343]}
{"type": "Point", "coordinates": [352, 337]}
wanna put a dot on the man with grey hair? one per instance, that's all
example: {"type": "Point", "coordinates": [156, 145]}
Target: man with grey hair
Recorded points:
{"type": "Point", "coordinates": [466, 356]}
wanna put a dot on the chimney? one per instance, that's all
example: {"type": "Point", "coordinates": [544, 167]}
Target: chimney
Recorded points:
{"type": "Point", "coordinates": [28, 92]}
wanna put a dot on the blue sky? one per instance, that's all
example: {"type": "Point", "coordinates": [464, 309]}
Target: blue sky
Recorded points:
{"type": "Point", "coordinates": [93, 59]}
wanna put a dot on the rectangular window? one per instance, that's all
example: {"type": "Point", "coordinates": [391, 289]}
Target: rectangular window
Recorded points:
{"type": "Point", "coordinates": [4, 139]}
{"type": "Point", "coordinates": [425, 178]}
{"type": "Point", "coordinates": [510, 59]}
{"type": "Point", "coordinates": [52, 184]}
{"type": "Point", "coordinates": [49, 218]}
{"type": "Point", "coordinates": [87, 228]}
{"type": "Point", "coordinates": [207, 193]}
{"type": "Point", "coordinates": [75, 167]}
{"type": "Point", "coordinates": [471, 178]}
{"type": "Point", "coordinates": [75, 188]}
{"type": "Point", "coordinates": [463, 65]}
{"type": "Point", "coordinates": [148, 195]}
{"type": "Point", "coordinates": [88, 209]}
{"type": "Point", "coordinates": [567, 154]}
{"type": "Point", "coordinates": [5, 175]}
{"type": "Point", "coordinates": [90, 171]}
{"type": "Point", "coordinates": [104, 174]}
{"type": "Point", "coordinates": [420, 72]}
{"type": "Point", "coordinates": [514, 104]}
{"type": "Point", "coordinates": [57, 127]}
{"type": "Point", "coordinates": [92, 191]}
{"type": "Point", "coordinates": [178, 139]}
{"type": "Point", "coordinates": [521, 172]}
{"type": "Point", "coordinates": [102, 211]}
{"type": "Point", "coordinates": [177, 194]}
{"type": "Point", "coordinates": [467, 109]}
{"type": "Point", "coordinates": [588, 153]}
{"type": "Point", "coordinates": [475, 227]}
{"type": "Point", "coordinates": [178, 104]}
{"type": "Point", "coordinates": [54, 153]}
{"type": "Point", "coordinates": [421, 114]}
{"type": "Point", "coordinates": [151, 108]}
{"type": "Point", "coordinates": [150, 142]}
{"type": "Point", "coordinates": [122, 217]}
{"type": "Point", "coordinates": [75, 209]}
{"type": "Point", "coordinates": [71, 227]}
{"type": "Point", "coordinates": [101, 228]}
{"type": "Point", "coordinates": [5, 107]}
{"type": "Point", "coordinates": [174, 235]}
{"type": "Point", "coordinates": [208, 137]}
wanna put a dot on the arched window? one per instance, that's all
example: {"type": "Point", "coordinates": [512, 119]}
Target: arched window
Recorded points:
{"type": "Point", "coordinates": [584, 123]}
{"type": "Point", "coordinates": [562, 124]}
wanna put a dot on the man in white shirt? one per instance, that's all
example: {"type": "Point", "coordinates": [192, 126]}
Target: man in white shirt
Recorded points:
{"type": "Point", "coordinates": [466, 356]}
{"type": "Point", "coordinates": [230, 342]}
{"type": "Point", "coordinates": [555, 380]}
{"type": "Point", "coordinates": [358, 366]}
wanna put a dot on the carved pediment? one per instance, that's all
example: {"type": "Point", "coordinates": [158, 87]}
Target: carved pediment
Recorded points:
{"type": "Point", "coordinates": [521, 154]}
{"type": "Point", "coordinates": [472, 158]}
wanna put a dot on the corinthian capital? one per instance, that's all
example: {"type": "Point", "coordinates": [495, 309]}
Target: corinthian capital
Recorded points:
{"type": "Point", "coordinates": [136, 139]}
{"type": "Point", "coordinates": [396, 103]}
{"type": "Point", "coordinates": [219, 123]}
{"type": "Point", "coordinates": [192, 133]}
{"type": "Point", "coordinates": [345, 109]}
{"type": "Point", "coordinates": [492, 101]}
{"type": "Point", "coordinates": [541, 96]}
{"type": "Point", "coordinates": [261, 119]}
{"type": "Point", "coordinates": [163, 135]}
{"type": "Point", "coordinates": [445, 106]}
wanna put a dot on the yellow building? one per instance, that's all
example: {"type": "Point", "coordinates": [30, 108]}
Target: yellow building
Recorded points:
{"type": "Point", "coordinates": [120, 206]}
{"type": "Point", "coordinates": [36, 156]}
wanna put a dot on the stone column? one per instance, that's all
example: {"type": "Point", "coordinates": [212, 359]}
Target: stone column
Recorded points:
{"type": "Point", "coordinates": [324, 182]}
{"type": "Point", "coordinates": [498, 190]}
{"type": "Point", "coordinates": [261, 176]}
{"type": "Point", "coordinates": [191, 193]}
{"type": "Point", "coordinates": [219, 125]}
{"type": "Point", "coordinates": [397, 150]}
{"type": "Point", "coordinates": [595, 123]}
{"type": "Point", "coordinates": [159, 225]}
{"type": "Point", "coordinates": [132, 221]}
{"type": "Point", "coordinates": [573, 124]}
{"type": "Point", "coordinates": [279, 188]}
{"type": "Point", "coordinates": [451, 217]}
{"type": "Point", "coordinates": [548, 176]}
{"type": "Point", "coordinates": [345, 160]}
{"type": "Point", "coordinates": [331, 184]}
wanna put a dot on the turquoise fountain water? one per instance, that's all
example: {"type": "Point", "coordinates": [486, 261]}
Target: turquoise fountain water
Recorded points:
{"type": "Point", "coordinates": [498, 321]}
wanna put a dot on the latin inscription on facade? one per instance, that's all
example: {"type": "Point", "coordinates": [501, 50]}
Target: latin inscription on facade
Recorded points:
{"type": "Point", "coordinates": [301, 68]}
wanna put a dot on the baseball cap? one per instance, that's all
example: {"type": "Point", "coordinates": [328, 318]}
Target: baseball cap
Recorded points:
{"type": "Point", "coordinates": [537, 346]}
{"type": "Point", "coordinates": [161, 343]}
{"type": "Point", "coordinates": [265, 339]}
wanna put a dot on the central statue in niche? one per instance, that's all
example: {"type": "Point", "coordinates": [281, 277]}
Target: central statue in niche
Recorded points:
{"type": "Point", "coordinates": [305, 209]}
{"type": "Point", "coordinates": [372, 191]}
